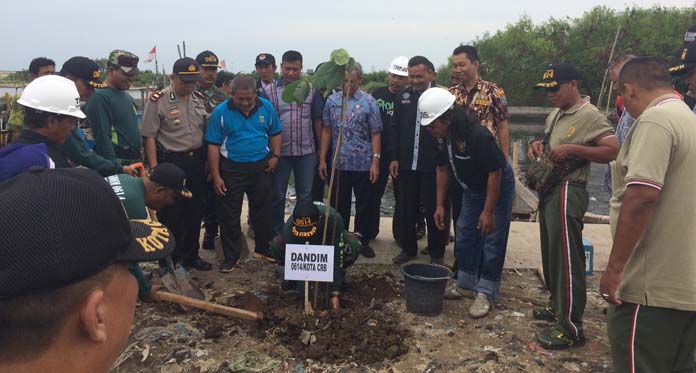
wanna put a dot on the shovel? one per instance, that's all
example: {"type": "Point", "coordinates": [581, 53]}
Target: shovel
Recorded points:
{"type": "Point", "coordinates": [207, 306]}
{"type": "Point", "coordinates": [177, 281]}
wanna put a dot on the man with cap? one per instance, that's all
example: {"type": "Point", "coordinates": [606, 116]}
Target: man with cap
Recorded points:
{"type": "Point", "coordinates": [685, 68]}
{"type": "Point", "coordinates": [67, 299]}
{"type": "Point", "coordinates": [112, 113]}
{"type": "Point", "coordinates": [173, 128]}
{"type": "Point", "coordinates": [85, 73]}
{"type": "Point", "coordinates": [386, 96]}
{"type": "Point", "coordinates": [308, 225]}
{"type": "Point", "coordinates": [576, 134]}
{"type": "Point", "coordinates": [243, 137]}
{"type": "Point", "coordinates": [648, 281]}
{"type": "Point", "coordinates": [212, 96]}
{"type": "Point", "coordinates": [298, 154]}
{"type": "Point", "coordinates": [160, 189]}
{"type": "Point", "coordinates": [51, 110]}
{"type": "Point", "coordinates": [266, 67]}
{"type": "Point", "coordinates": [471, 156]}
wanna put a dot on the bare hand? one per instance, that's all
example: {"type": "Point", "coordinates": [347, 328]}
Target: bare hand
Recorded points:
{"type": "Point", "coordinates": [154, 95]}
{"type": "Point", "coordinates": [561, 152]}
{"type": "Point", "coordinates": [536, 149]}
{"type": "Point", "coordinates": [394, 169]}
{"type": "Point", "coordinates": [439, 217]}
{"type": "Point", "coordinates": [220, 188]}
{"type": "Point", "coordinates": [609, 284]}
{"type": "Point", "coordinates": [272, 164]}
{"type": "Point", "coordinates": [322, 170]}
{"type": "Point", "coordinates": [374, 172]}
{"type": "Point", "coordinates": [128, 170]}
{"type": "Point", "coordinates": [486, 223]}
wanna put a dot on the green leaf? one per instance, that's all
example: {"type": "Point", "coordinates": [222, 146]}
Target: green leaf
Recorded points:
{"type": "Point", "coordinates": [340, 57]}
{"type": "Point", "coordinates": [301, 92]}
{"type": "Point", "coordinates": [289, 92]}
{"type": "Point", "coordinates": [325, 71]}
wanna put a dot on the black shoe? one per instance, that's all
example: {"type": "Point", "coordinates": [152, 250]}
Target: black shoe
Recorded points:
{"type": "Point", "coordinates": [402, 258]}
{"type": "Point", "coordinates": [199, 265]}
{"type": "Point", "coordinates": [264, 254]}
{"type": "Point", "coordinates": [228, 265]}
{"type": "Point", "coordinates": [367, 251]}
{"type": "Point", "coordinates": [208, 243]}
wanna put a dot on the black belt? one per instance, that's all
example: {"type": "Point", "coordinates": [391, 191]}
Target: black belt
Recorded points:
{"type": "Point", "coordinates": [127, 153]}
{"type": "Point", "coordinates": [188, 153]}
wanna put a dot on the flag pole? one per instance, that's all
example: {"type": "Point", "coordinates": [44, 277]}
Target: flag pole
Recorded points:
{"type": "Point", "coordinates": [156, 69]}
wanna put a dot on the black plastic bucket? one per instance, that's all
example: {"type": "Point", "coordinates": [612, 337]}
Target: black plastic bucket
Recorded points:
{"type": "Point", "coordinates": [425, 287]}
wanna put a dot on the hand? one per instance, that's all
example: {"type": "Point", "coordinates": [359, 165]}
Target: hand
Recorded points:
{"type": "Point", "coordinates": [609, 284]}
{"type": "Point", "coordinates": [561, 152]}
{"type": "Point", "coordinates": [439, 217]}
{"type": "Point", "coordinates": [128, 170]}
{"type": "Point", "coordinates": [374, 171]}
{"type": "Point", "coordinates": [154, 95]}
{"type": "Point", "coordinates": [394, 169]}
{"type": "Point", "coordinates": [486, 223]}
{"type": "Point", "coordinates": [219, 185]}
{"type": "Point", "coordinates": [272, 164]}
{"type": "Point", "coordinates": [322, 170]}
{"type": "Point", "coordinates": [536, 149]}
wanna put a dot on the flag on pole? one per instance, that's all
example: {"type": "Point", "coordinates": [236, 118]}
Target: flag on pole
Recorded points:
{"type": "Point", "coordinates": [223, 65]}
{"type": "Point", "coordinates": [152, 55]}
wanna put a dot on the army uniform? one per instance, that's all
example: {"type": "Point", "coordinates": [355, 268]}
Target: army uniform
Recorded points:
{"type": "Point", "coordinates": [178, 125]}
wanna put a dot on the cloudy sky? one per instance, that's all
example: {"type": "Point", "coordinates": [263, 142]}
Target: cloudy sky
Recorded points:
{"type": "Point", "coordinates": [373, 31]}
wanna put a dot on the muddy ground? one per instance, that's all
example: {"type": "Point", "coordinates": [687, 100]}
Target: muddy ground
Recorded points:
{"type": "Point", "coordinates": [372, 333]}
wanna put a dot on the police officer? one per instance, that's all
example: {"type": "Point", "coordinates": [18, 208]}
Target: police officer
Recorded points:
{"type": "Point", "coordinates": [172, 129]}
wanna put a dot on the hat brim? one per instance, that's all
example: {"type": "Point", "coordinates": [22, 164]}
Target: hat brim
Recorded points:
{"type": "Point", "coordinates": [185, 193]}
{"type": "Point", "coordinates": [681, 69]}
{"type": "Point", "coordinates": [189, 77]}
{"type": "Point", "coordinates": [264, 62]}
{"type": "Point", "coordinates": [397, 72]}
{"type": "Point", "coordinates": [151, 241]}
{"type": "Point", "coordinates": [546, 84]}
{"type": "Point", "coordinates": [209, 65]}
{"type": "Point", "coordinates": [96, 84]}
{"type": "Point", "coordinates": [305, 232]}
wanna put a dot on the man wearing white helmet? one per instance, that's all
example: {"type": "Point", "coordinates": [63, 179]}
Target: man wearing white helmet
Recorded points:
{"type": "Point", "coordinates": [52, 108]}
{"type": "Point", "coordinates": [481, 169]}
{"type": "Point", "coordinates": [386, 96]}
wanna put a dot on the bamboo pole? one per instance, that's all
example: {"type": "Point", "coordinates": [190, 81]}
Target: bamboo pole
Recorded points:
{"type": "Point", "coordinates": [606, 71]}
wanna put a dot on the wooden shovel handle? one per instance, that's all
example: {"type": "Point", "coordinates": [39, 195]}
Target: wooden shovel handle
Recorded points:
{"type": "Point", "coordinates": [207, 306]}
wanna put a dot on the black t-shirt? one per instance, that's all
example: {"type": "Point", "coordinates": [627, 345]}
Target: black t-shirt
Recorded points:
{"type": "Point", "coordinates": [385, 103]}
{"type": "Point", "coordinates": [474, 152]}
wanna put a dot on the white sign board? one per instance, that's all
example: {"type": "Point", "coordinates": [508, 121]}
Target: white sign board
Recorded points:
{"type": "Point", "coordinates": [309, 263]}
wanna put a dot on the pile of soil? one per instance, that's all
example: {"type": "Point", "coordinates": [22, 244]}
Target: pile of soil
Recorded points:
{"type": "Point", "coordinates": [362, 331]}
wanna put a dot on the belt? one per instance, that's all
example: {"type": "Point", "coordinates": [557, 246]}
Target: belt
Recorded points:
{"type": "Point", "coordinates": [188, 153]}
{"type": "Point", "coordinates": [127, 153]}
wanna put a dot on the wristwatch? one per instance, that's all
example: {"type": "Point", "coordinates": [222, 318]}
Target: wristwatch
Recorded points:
{"type": "Point", "coordinates": [273, 155]}
{"type": "Point", "coordinates": [377, 155]}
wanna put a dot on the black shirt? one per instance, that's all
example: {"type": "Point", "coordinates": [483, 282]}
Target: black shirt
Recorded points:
{"type": "Point", "coordinates": [474, 152]}
{"type": "Point", "coordinates": [385, 103]}
{"type": "Point", "coordinates": [402, 135]}
{"type": "Point", "coordinates": [30, 137]}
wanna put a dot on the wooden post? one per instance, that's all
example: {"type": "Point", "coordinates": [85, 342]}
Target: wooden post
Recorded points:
{"type": "Point", "coordinates": [515, 158]}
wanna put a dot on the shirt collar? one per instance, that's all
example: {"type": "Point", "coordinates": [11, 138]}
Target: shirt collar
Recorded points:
{"type": "Point", "coordinates": [575, 108]}
{"type": "Point", "coordinates": [664, 97]}
{"type": "Point", "coordinates": [233, 107]}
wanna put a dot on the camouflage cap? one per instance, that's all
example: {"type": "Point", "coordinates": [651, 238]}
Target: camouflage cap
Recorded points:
{"type": "Point", "coordinates": [127, 61]}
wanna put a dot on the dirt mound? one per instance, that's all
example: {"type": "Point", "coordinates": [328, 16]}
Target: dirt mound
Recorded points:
{"type": "Point", "coordinates": [363, 331]}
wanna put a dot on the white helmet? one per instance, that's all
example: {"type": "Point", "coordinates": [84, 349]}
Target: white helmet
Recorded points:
{"type": "Point", "coordinates": [399, 66]}
{"type": "Point", "coordinates": [53, 94]}
{"type": "Point", "coordinates": [433, 103]}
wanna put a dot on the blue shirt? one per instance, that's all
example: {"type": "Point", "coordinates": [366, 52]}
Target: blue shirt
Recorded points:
{"type": "Point", "coordinates": [362, 120]}
{"type": "Point", "coordinates": [242, 138]}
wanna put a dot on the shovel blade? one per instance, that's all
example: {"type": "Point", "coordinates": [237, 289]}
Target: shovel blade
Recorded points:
{"type": "Point", "coordinates": [186, 284]}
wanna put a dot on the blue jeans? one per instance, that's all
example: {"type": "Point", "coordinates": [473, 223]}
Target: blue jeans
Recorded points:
{"type": "Point", "coordinates": [303, 168]}
{"type": "Point", "coordinates": [480, 259]}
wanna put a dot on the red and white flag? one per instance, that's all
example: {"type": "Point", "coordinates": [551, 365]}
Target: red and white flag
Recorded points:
{"type": "Point", "coordinates": [152, 55]}
{"type": "Point", "coordinates": [223, 65]}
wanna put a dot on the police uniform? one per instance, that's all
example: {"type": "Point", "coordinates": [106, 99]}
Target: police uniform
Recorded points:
{"type": "Point", "coordinates": [178, 126]}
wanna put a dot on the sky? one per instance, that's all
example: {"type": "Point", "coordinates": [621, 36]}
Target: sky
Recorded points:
{"type": "Point", "coordinates": [373, 32]}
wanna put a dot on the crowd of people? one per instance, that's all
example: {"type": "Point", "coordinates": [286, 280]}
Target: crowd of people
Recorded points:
{"type": "Point", "coordinates": [212, 137]}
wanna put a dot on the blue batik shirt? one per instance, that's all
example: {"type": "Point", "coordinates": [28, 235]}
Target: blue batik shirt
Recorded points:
{"type": "Point", "coordinates": [622, 129]}
{"type": "Point", "coordinates": [362, 120]}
